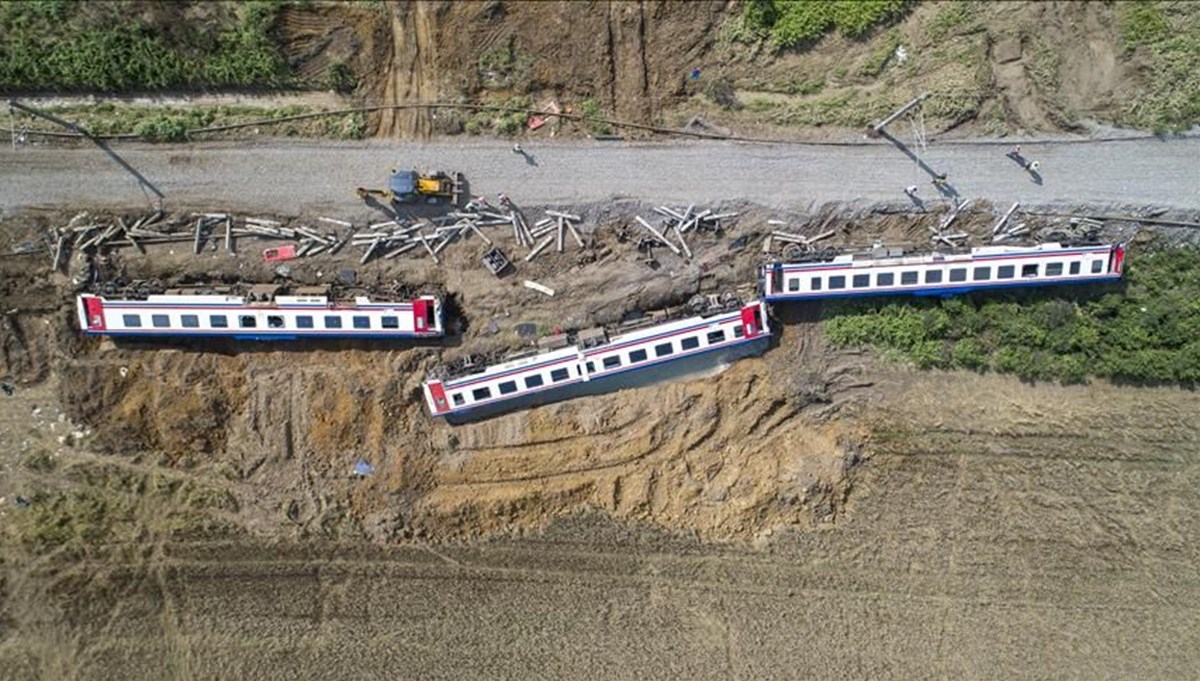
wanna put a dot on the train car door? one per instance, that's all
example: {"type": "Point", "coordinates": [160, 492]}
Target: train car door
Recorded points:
{"type": "Point", "coordinates": [95, 313]}
{"type": "Point", "coordinates": [1116, 259]}
{"type": "Point", "coordinates": [751, 320]}
{"type": "Point", "coordinates": [437, 394]}
{"type": "Point", "coordinates": [421, 315]}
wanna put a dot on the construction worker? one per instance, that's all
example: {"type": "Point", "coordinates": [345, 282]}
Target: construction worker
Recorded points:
{"type": "Point", "coordinates": [911, 190]}
{"type": "Point", "coordinates": [1033, 166]}
{"type": "Point", "coordinates": [939, 180]}
{"type": "Point", "coordinates": [517, 148]}
{"type": "Point", "coordinates": [1016, 150]}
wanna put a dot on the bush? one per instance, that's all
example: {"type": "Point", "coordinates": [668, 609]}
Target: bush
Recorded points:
{"type": "Point", "coordinates": [791, 23]}
{"type": "Point", "coordinates": [590, 109]}
{"type": "Point", "coordinates": [340, 78]}
{"type": "Point", "coordinates": [163, 128]}
{"type": "Point", "coordinates": [720, 91]}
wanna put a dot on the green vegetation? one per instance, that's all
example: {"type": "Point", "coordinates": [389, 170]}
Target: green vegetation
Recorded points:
{"type": "Point", "coordinates": [170, 124]}
{"type": "Point", "coordinates": [56, 45]}
{"type": "Point", "coordinates": [590, 108]}
{"type": "Point", "coordinates": [109, 503]}
{"type": "Point", "coordinates": [1169, 34]}
{"type": "Point", "coordinates": [494, 122]}
{"type": "Point", "coordinates": [792, 23]}
{"type": "Point", "coordinates": [960, 16]}
{"type": "Point", "coordinates": [504, 67]}
{"type": "Point", "coordinates": [1149, 331]}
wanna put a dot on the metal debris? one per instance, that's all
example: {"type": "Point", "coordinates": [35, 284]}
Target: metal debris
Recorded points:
{"type": "Point", "coordinates": [539, 288]}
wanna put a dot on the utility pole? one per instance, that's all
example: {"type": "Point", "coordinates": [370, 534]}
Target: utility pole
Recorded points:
{"type": "Point", "coordinates": [899, 112]}
{"type": "Point", "coordinates": [142, 181]}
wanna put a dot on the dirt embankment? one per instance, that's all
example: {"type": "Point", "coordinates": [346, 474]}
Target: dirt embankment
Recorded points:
{"type": "Point", "coordinates": [991, 69]}
{"type": "Point", "coordinates": [630, 57]}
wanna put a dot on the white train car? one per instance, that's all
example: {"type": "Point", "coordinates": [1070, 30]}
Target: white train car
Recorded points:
{"type": "Point", "coordinates": [592, 361]}
{"type": "Point", "coordinates": [982, 269]}
{"type": "Point", "coordinates": [265, 313]}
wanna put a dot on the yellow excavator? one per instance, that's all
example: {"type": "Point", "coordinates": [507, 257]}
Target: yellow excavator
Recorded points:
{"type": "Point", "coordinates": [410, 186]}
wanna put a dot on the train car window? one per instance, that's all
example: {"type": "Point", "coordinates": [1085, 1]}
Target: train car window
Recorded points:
{"type": "Point", "coordinates": [458, 399]}
{"type": "Point", "coordinates": [1029, 270]}
{"type": "Point", "coordinates": [190, 321]}
{"type": "Point", "coordinates": [1054, 269]}
{"type": "Point", "coordinates": [1006, 271]}
{"type": "Point", "coordinates": [861, 281]}
{"type": "Point", "coordinates": [481, 393]}
{"type": "Point", "coordinates": [275, 322]}
{"type": "Point", "coordinates": [160, 321]}
{"type": "Point", "coordinates": [983, 273]}
{"type": "Point", "coordinates": [908, 278]}
{"type": "Point", "coordinates": [362, 322]}
{"type": "Point", "coordinates": [885, 279]}
{"type": "Point", "coordinates": [1097, 266]}
{"type": "Point", "coordinates": [814, 284]}
{"type": "Point", "coordinates": [738, 331]}
{"type": "Point", "coordinates": [390, 322]}
{"type": "Point", "coordinates": [933, 276]}
{"type": "Point", "coordinates": [534, 381]}
{"type": "Point", "coordinates": [793, 283]}
{"type": "Point", "coordinates": [958, 274]}
{"type": "Point", "coordinates": [837, 282]}
{"type": "Point", "coordinates": [304, 321]}
{"type": "Point", "coordinates": [715, 337]}
{"type": "Point", "coordinates": [1074, 269]}
{"type": "Point", "coordinates": [132, 321]}
{"type": "Point", "coordinates": [690, 343]}
{"type": "Point", "coordinates": [247, 322]}
{"type": "Point", "coordinates": [559, 375]}
{"type": "Point", "coordinates": [333, 322]}
{"type": "Point", "coordinates": [508, 387]}
{"type": "Point", "coordinates": [218, 321]}
{"type": "Point", "coordinates": [611, 362]}
{"type": "Point", "coordinates": [663, 349]}
{"type": "Point", "coordinates": [637, 356]}
{"type": "Point", "coordinates": [591, 367]}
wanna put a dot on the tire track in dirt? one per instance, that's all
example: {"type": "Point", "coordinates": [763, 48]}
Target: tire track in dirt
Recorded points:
{"type": "Point", "coordinates": [412, 70]}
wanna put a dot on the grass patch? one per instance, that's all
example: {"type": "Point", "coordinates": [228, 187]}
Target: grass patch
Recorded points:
{"type": "Point", "coordinates": [1147, 332]}
{"type": "Point", "coordinates": [170, 124]}
{"type": "Point", "coordinates": [54, 45]}
{"type": "Point", "coordinates": [1169, 34]}
{"type": "Point", "coordinates": [1043, 65]}
{"type": "Point", "coordinates": [492, 122]}
{"type": "Point", "coordinates": [504, 67]}
{"type": "Point", "coordinates": [953, 18]}
{"type": "Point", "coordinates": [879, 58]}
{"type": "Point", "coordinates": [590, 108]}
{"type": "Point", "coordinates": [793, 23]}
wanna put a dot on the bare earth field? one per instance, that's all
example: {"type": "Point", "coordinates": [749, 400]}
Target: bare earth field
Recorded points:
{"type": "Point", "coordinates": [998, 530]}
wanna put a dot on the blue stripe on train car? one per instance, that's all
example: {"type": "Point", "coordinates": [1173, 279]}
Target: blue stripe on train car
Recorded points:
{"type": "Point", "coordinates": [289, 336]}
{"type": "Point", "coordinates": [940, 291]}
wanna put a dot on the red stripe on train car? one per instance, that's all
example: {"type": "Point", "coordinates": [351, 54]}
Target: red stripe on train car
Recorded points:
{"type": "Point", "coordinates": [420, 315]}
{"type": "Point", "coordinates": [439, 397]}
{"type": "Point", "coordinates": [1117, 259]}
{"type": "Point", "coordinates": [95, 313]}
{"type": "Point", "coordinates": [749, 323]}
